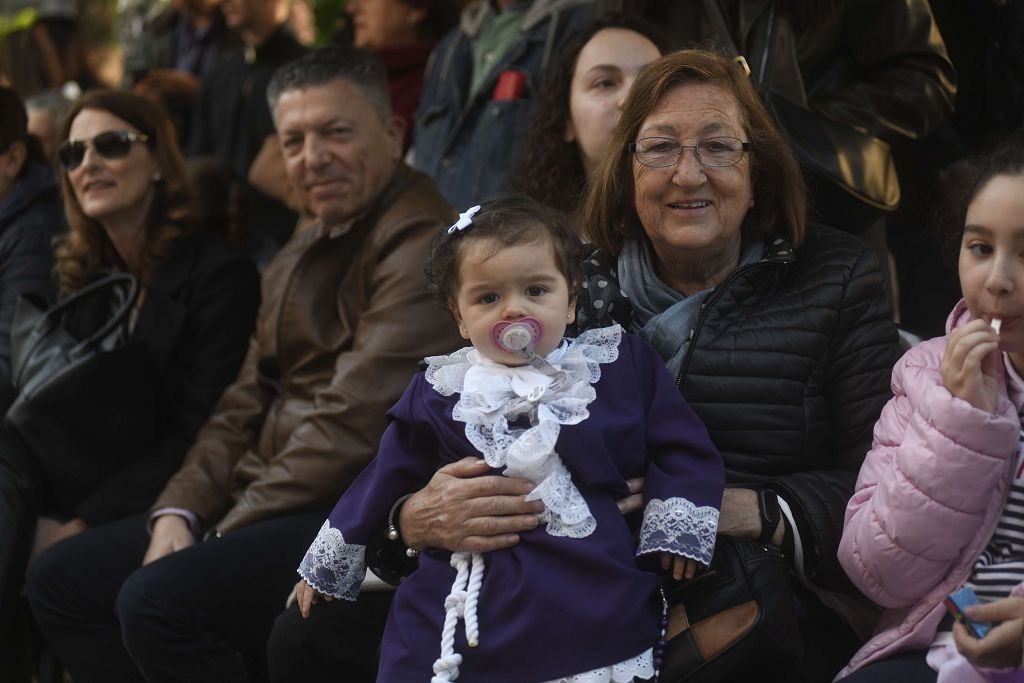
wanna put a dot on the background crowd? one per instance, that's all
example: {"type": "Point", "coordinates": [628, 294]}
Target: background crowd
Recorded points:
{"type": "Point", "coordinates": [271, 174]}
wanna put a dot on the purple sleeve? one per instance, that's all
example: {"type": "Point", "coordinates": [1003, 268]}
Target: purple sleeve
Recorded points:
{"type": "Point", "coordinates": [408, 456]}
{"type": "Point", "coordinates": [685, 474]}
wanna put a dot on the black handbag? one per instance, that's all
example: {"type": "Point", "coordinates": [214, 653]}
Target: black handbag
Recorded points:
{"type": "Point", "coordinates": [850, 171]}
{"type": "Point", "coordinates": [86, 391]}
{"type": "Point", "coordinates": [742, 606]}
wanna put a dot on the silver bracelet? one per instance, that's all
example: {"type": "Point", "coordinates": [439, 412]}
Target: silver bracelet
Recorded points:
{"type": "Point", "coordinates": [393, 533]}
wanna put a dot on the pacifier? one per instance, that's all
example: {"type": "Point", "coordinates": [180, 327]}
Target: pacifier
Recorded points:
{"type": "Point", "coordinates": [517, 336]}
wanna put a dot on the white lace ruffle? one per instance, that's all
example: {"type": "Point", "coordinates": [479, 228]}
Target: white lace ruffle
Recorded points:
{"type": "Point", "coordinates": [492, 395]}
{"type": "Point", "coordinates": [679, 527]}
{"type": "Point", "coordinates": [641, 666]}
{"type": "Point", "coordinates": [333, 567]}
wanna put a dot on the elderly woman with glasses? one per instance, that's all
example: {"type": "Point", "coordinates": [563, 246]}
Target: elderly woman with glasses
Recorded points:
{"type": "Point", "coordinates": [129, 205]}
{"type": "Point", "coordinates": [778, 332]}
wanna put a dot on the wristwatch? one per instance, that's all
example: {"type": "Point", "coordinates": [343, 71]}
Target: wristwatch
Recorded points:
{"type": "Point", "coordinates": [768, 505]}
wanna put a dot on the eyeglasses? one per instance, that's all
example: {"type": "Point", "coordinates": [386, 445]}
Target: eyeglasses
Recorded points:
{"type": "Point", "coordinates": [665, 152]}
{"type": "Point", "coordinates": [111, 144]}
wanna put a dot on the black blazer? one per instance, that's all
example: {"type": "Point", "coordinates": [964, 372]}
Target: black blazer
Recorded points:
{"type": "Point", "coordinates": [196, 319]}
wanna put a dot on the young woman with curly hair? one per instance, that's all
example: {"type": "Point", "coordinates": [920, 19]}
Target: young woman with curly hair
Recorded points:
{"type": "Point", "coordinates": [579, 106]}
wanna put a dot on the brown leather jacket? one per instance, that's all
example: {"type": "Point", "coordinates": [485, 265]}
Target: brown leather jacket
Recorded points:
{"type": "Point", "coordinates": [346, 317]}
{"type": "Point", "coordinates": [877, 65]}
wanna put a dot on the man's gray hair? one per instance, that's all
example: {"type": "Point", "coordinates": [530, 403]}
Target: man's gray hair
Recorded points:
{"type": "Point", "coordinates": [359, 67]}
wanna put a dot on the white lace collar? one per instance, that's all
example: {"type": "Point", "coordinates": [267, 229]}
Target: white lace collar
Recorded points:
{"type": "Point", "coordinates": [580, 358]}
{"type": "Point", "coordinates": [492, 394]}
{"type": "Point", "coordinates": [485, 375]}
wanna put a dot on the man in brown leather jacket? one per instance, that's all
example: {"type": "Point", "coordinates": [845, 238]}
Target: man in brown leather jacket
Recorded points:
{"type": "Point", "coordinates": [346, 317]}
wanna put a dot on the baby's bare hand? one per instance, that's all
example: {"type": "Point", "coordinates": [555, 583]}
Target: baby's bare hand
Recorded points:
{"type": "Point", "coordinates": [307, 596]}
{"type": "Point", "coordinates": [682, 567]}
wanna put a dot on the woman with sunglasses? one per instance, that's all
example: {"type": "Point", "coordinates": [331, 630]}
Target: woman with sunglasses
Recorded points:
{"type": "Point", "coordinates": [129, 205]}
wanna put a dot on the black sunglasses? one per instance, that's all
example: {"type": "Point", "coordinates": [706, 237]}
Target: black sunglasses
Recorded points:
{"type": "Point", "coordinates": [112, 144]}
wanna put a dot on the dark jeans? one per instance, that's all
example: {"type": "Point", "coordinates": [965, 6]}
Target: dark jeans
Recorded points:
{"type": "Point", "coordinates": [339, 636]}
{"type": "Point", "coordinates": [909, 667]}
{"type": "Point", "coordinates": [828, 641]}
{"type": "Point", "coordinates": [19, 506]}
{"type": "Point", "coordinates": [201, 614]}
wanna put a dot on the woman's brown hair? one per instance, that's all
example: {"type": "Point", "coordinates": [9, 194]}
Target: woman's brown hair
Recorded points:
{"type": "Point", "coordinates": [780, 197]}
{"type": "Point", "coordinates": [85, 249]}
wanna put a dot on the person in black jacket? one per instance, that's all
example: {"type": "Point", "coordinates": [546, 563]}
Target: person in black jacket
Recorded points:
{"type": "Point", "coordinates": [129, 205]}
{"type": "Point", "coordinates": [777, 330]}
{"type": "Point", "coordinates": [231, 118]}
{"type": "Point", "coordinates": [30, 217]}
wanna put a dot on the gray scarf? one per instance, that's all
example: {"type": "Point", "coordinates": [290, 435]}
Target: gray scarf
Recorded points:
{"type": "Point", "coordinates": [662, 315]}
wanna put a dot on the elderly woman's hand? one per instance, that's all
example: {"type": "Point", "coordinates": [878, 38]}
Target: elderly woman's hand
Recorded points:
{"type": "Point", "coordinates": [306, 596]}
{"type": "Point", "coordinates": [740, 516]}
{"type": "Point", "coordinates": [461, 510]}
{"type": "Point", "coordinates": [1002, 646]}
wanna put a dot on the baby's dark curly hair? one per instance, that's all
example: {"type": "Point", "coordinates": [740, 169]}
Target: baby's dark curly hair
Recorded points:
{"type": "Point", "coordinates": [959, 183]}
{"type": "Point", "coordinates": [510, 220]}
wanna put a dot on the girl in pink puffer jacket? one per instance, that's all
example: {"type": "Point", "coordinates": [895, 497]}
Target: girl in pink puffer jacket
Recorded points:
{"type": "Point", "coordinates": [939, 502]}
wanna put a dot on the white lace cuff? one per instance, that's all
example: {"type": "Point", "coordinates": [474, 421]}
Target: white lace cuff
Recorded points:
{"type": "Point", "coordinates": [333, 567]}
{"type": "Point", "coordinates": [679, 527]}
{"type": "Point", "coordinates": [641, 666]}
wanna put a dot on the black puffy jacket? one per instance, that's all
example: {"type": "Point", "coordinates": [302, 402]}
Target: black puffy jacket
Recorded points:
{"type": "Point", "coordinates": [789, 368]}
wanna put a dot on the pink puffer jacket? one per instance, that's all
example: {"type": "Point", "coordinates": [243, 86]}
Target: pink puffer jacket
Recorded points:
{"type": "Point", "coordinates": [928, 497]}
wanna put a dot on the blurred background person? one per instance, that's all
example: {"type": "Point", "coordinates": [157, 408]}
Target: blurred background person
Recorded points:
{"type": "Point", "coordinates": [179, 45]}
{"type": "Point", "coordinates": [480, 89]}
{"type": "Point", "coordinates": [219, 201]}
{"type": "Point", "coordinates": [30, 217]}
{"type": "Point", "coordinates": [46, 112]}
{"type": "Point", "coordinates": [231, 118]}
{"type": "Point", "coordinates": [402, 33]}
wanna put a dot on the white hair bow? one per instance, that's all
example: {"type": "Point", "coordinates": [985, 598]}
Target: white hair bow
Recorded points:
{"type": "Point", "coordinates": [465, 220]}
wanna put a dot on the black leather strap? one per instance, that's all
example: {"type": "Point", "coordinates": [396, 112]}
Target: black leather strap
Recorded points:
{"type": "Point", "coordinates": [768, 505]}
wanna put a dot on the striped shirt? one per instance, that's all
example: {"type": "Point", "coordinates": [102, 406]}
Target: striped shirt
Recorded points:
{"type": "Point", "coordinates": [1000, 567]}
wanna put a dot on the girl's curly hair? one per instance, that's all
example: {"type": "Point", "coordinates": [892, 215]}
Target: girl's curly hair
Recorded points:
{"type": "Point", "coordinates": [550, 169]}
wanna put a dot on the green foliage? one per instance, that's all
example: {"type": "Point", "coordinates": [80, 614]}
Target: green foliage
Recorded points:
{"type": "Point", "coordinates": [329, 16]}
